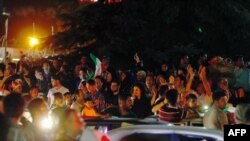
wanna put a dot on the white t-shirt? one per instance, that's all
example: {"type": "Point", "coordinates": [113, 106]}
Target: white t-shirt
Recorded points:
{"type": "Point", "coordinates": [214, 118]}
{"type": "Point", "coordinates": [62, 90]}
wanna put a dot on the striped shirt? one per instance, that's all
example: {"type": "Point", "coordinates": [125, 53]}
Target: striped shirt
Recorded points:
{"type": "Point", "coordinates": [171, 114]}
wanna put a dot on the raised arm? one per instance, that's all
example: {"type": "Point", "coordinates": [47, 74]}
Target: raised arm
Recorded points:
{"type": "Point", "coordinates": [138, 61]}
{"type": "Point", "coordinates": [154, 96]}
{"type": "Point", "coordinates": [191, 75]}
{"type": "Point", "coordinates": [159, 105]}
{"type": "Point", "coordinates": [203, 78]}
{"type": "Point", "coordinates": [5, 77]}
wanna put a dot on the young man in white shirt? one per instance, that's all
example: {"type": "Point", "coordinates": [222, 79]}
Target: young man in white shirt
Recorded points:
{"type": "Point", "coordinates": [57, 87]}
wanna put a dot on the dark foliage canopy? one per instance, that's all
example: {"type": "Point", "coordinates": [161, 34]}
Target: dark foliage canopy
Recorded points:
{"type": "Point", "coordinates": [159, 30]}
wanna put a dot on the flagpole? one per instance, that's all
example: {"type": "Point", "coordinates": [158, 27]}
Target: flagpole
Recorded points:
{"type": "Point", "coordinates": [6, 37]}
{"type": "Point", "coordinates": [6, 33]}
{"type": "Point", "coordinates": [34, 28]}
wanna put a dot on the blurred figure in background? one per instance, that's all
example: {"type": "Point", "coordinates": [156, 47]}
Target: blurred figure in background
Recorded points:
{"type": "Point", "coordinates": [2, 69]}
{"type": "Point", "coordinates": [140, 76]}
{"type": "Point", "coordinates": [83, 87]}
{"type": "Point", "coordinates": [40, 125]}
{"type": "Point", "coordinates": [125, 82]}
{"type": "Point", "coordinates": [123, 109]}
{"type": "Point", "coordinates": [242, 74]}
{"type": "Point", "coordinates": [142, 105]}
{"type": "Point", "coordinates": [78, 104]}
{"type": "Point", "coordinates": [1, 104]}
{"type": "Point", "coordinates": [4, 125]}
{"type": "Point", "coordinates": [47, 71]}
{"type": "Point", "coordinates": [28, 79]}
{"type": "Point", "coordinates": [82, 64]}
{"type": "Point", "coordinates": [41, 82]}
{"type": "Point", "coordinates": [99, 84]}
{"type": "Point", "coordinates": [58, 101]}
{"type": "Point", "coordinates": [191, 106]}
{"type": "Point", "coordinates": [215, 118]}
{"type": "Point", "coordinates": [89, 110]}
{"type": "Point", "coordinates": [247, 116]}
{"type": "Point", "coordinates": [9, 79]}
{"type": "Point", "coordinates": [240, 112]}
{"type": "Point", "coordinates": [68, 100]}
{"type": "Point", "coordinates": [168, 110]}
{"type": "Point", "coordinates": [96, 96]}
{"type": "Point", "coordinates": [112, 95]}
{"type": "Point", "coordinates": [13, 110]}
{"type": "Point", "coordinates": [33, 93]}
{"type": "Point", "coordinates": [65, 77]}
{"type": "Point", "coordinates": [69, 127]}
{"type": "Point", "coordinates": [57, 87]}
{"type": "Point", "coordinates": [151, 88]}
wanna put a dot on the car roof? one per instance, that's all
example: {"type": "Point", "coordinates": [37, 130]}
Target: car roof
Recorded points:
{"type": "Point", "coordinates": [116, 134]}
{"type": "Point", "coordinates": [116, 121]}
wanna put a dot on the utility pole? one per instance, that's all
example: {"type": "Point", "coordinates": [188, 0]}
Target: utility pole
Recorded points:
{"type": "Point", "coordinates": [5, 39]}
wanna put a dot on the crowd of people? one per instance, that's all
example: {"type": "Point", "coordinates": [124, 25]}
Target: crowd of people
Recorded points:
{"type": "Point", "coordinates": [71, 91]}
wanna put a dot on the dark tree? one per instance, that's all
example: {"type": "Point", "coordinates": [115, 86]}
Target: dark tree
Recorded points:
{"type": "Point", "coordinates": [159, 30]}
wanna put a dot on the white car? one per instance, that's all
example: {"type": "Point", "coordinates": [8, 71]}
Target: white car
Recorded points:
{"type": "Point", "coordinates": [164, 133]}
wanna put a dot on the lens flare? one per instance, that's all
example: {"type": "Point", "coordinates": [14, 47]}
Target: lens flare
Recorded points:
{"type": "Point", "coordinates": [46, 123]}
{"type": "Point", "coordinates": [33, 41]}
{"type": "Point", "coordinates": [205, 107]}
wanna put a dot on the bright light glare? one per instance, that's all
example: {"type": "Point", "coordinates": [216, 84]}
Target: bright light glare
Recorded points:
{"type": "Point", "coordinates": [33, 41]}
{"type": "Point", "coordinates": [27, 115]}
{"type": "Point", "coordinates": [205, 107]}
{"type": "Point", "coordinates": [46, 123]}
{"type": "Point", "coordinates": [16, 59]}
{"type": "Point", "coordinates": [103, 129]}
{"type": "Point", "coordinates": [231, 109]}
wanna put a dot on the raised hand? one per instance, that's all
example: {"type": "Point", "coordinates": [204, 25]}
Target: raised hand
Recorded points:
{"type": "Point", "coordinates": [202, 73]}
{"type": "Point", "coordinates": [190, 70]}
{"type": "Point", "coordinates": [137, 58]}
{"type": "Point", "coordinates": [165, 101]}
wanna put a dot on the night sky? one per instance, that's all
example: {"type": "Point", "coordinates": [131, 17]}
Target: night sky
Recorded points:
{"type": "Point", "coordinates": [22, 3]}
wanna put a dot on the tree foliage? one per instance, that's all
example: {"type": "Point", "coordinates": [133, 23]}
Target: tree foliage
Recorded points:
{"type": "Point", "coordinates": [159, 29]}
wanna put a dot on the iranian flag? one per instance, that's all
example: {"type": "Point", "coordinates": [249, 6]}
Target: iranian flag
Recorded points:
{"type": "Point", "coordinates": [98, 66]}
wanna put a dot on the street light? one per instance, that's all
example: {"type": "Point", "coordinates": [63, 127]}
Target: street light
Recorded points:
{"type": "Point", "coordinates": [33, 41]}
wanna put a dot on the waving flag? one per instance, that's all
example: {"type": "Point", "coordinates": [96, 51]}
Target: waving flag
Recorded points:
{"type": "Point", "coordinates": [98, 66]}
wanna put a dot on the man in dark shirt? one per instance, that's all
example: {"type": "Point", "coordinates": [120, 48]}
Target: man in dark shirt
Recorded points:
{"type": "Point", "coordinates": [9, 76]}
{"type": "Point", "coordinates": [124, 108]}
{"type": "Point", "coordinates": [113, 94]}
{"type": "Point", "coordinates": [97, 97]}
